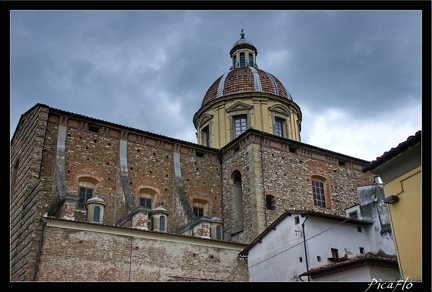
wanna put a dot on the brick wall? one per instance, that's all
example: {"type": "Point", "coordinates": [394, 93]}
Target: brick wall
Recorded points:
{"type": "Point", "coordinates": [266, 164]}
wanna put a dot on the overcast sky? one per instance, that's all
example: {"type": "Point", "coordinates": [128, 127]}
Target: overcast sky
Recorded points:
{"type": "Point", "coordinates": [356, 75]}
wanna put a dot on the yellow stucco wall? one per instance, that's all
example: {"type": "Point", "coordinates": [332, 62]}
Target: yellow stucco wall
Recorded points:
{"type": "Point", "coordinates": [259, 117]}
{"type": "Point", "coordinates": [406, 216]}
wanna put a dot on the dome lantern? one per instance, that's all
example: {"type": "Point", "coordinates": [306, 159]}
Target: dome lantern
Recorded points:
{"type": "Point", "coordinates": [243, 53]}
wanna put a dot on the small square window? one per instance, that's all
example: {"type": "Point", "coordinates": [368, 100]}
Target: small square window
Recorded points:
{"type": "Point", "coordinates": [270, 202]}
{"type": "Point", "coordinates": [318, 258]}
{"type": "Point", "coordinates": [353, 214]}
{"type": "Point", "coordinates": [94, 129]}
{"type": "Point", "coordinates": [359, 229]}
{"type": "Point", "coordinates": [300, 259]}
{"type": "Point", "coordinates": [296, 220]}
{"type": "Point", "coordinates": [361, 250]}
{"type": "Point", "coordinates": [335, 253]}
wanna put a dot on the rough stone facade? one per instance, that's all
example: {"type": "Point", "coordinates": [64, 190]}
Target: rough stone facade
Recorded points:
{"type": "Point", "coordinates": [52, 150]}
{"type": "Point", "coordinates": [272, 167]}
{"type": "Point", "coordinates": [75, 252]}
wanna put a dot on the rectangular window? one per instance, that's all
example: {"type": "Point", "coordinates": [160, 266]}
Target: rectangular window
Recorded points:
{"type": "Point", "coordinates": [162, 223]}
{"type": "Point", "coordinates": [318, 258]}
{"type": "Point", "coordinates": [145, 202]}
{"type": "Point", "coordinates": [296, 220]}
{"type": "Point", "coordinates": [279, 127]}
{"type": "Point", "coordinates": [240, 125]}
{"type": "Point", "coordinates": [250, 60]}
{"type": "Point", "coordinates": [353, 214]}
{"type": "Point", "coordinates": [335, 253]}
{"type": "Point", "coordinates": [361, 250]}
{"type": "Point", "coordinates": [199, 212]}
{"type": "Point", "coordinates": [218, 232]}
{"type": "Point", "coordinates": [84, 195]}
{"type": "Point", "coordinates": [318, 193]}
{"type": "Point", "coordinates": [242, 60]}
{"type": "Point", "coordinates": [270, 202]}
{"type": "Point", "coordinates": [205, 136]}
{"type": "Point", "coordinates": [235, 62]}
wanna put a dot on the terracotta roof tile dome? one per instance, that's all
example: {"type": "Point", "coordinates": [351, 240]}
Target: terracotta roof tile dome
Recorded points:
{"type": "Point", "coordinates": [246, 79]}
{"type": "Point", "coordinates": [245, 76]}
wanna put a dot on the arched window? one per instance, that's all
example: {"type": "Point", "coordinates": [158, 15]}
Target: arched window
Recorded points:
{"type": "Point", "coordinates": [205, 136]}
{"type": "Point", "coordinates": [162, 223]}
{"type": "Point", "coordinates": [95, 210]}
{"type": "Point", "coordinates": [84, 195]}
{"type": "Point", "coordinates": [200, 208]}
{"type": "Point", "coordinates": [270, 202]}
{"type": "Point", "coordinates": [218, 232]}
{"type": "Point", "coordinates": [96, 214]}
{"type": "Point", "coordinates": [237, 192]}
{"type": "Point", "coordinates": [147, 198]}
{"type": "Point", "coordinates": [86, 190]}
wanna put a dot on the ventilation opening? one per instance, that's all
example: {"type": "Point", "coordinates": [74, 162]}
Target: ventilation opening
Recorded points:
{"type": "Point", "coordinates": [94, 129]}
{"type": "Point", "coordinates": [292, 149]}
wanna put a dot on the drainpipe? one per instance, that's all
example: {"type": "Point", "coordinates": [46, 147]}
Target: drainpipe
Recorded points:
{"type": "Point", "coordinates": [304, 244]}
{"type": "Point", "coordinates": [36, 269]}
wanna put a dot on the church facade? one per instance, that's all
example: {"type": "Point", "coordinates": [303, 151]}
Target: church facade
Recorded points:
{"type": "Point", "coordinates": [97, 201]}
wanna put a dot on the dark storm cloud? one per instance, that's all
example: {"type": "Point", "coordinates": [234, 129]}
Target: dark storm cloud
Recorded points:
{"type": "Point", "coordinates": [351, 72]}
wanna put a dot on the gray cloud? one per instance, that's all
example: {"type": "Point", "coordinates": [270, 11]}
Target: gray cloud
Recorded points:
{"type": "Point", "coordinates": [355, 74]}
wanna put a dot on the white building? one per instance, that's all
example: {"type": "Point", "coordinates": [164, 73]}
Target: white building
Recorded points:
{"type": "Point", "coordinates": [303, 245]}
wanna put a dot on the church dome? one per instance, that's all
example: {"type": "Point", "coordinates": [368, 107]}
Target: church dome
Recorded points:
{"type": "Point", "coordinates": [244, 76]}
{"type": "Point", "coordinates": [246, 97]}
{"type": "Point", "coordinates": [243, 80]}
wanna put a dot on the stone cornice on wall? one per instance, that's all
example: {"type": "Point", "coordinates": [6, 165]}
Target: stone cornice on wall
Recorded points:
{"type": "Point", "coordinates": [139, 233]}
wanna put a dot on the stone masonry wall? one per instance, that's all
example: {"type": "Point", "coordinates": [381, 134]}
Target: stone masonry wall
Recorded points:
{"type": "Point", "coordinates": [87, 256]}
{"type": "Point", "coordinates": [149, 165]}
{"type": "Point", "coordinates": [30, 191]}
{"type": "Point", "coordinates": [286, 175]}
{"type": "Point", "coordinates": [267, 166]}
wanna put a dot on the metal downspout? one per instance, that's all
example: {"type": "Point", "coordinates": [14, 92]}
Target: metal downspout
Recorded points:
{"type": "Point", "coordinates": [304, 244]}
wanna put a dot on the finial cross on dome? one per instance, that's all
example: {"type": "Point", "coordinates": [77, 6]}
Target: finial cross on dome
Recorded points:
{"type": "Point", "coordinates": [242, 34]}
